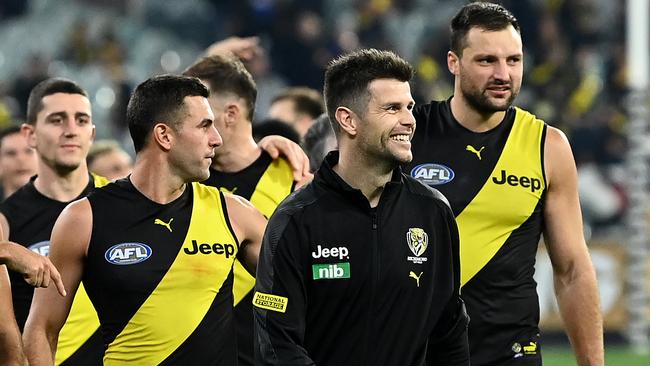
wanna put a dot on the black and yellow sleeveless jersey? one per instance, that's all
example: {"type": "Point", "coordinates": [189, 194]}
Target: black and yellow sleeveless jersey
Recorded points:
{"type": "Point", "coordinates": [160, 276]}
{"type": "Point", "coordinates": [265, 183]}
{"type": "Point", "coordinates": [495, 184]}
{"type": "Point", "coordinates": [31, 217]}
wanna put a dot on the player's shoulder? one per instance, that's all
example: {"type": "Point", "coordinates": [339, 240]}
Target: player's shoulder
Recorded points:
{"type": "Point", "coordinates": [77, 211]}
{"type": "Point", "coordinates": [423, 191]}
{"type": "Point", "coordinates": [426, 109]}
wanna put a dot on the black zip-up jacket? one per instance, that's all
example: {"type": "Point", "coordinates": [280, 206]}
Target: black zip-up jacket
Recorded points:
{"type": "Point", "coordinates": [341, 283]}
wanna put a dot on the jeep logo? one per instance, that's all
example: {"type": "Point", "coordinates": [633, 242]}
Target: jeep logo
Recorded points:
{"type": "Point", "coordinates": [340, 252]}
{"type": "Point", "coordinates": [526, 182]}
{"type": "Point", "coordinates": [216, 248]}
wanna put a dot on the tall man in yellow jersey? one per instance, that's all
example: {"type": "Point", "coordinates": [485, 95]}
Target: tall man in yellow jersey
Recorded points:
{"type": "Point", "coordinates": [509, 178]}
{"type": "Point", "coordinates": [241, 167]}
{"type": "Point", "coordinates": [155, 250]}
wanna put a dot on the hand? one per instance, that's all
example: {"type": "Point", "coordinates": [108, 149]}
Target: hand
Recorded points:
{"type": "Point", "coordinates": [242, 48]}
{"type": "Point", "coordinates": [277, 145]}
{"type": "Point", "coordinates": [37, 270]}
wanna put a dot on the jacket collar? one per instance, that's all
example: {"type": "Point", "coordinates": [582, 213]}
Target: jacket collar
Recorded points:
{"type": "Point", "coordinates": [327, 176]}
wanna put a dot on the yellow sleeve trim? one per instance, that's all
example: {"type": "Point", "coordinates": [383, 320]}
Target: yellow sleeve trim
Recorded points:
{"type": "Point", "coordinates": [270, 302]}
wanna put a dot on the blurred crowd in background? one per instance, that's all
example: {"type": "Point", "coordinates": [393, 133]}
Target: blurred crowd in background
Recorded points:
{"type": "Point", "coordinates": [574, 61]}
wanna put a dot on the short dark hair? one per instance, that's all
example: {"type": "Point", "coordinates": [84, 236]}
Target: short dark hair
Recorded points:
{"type": "Point", "coordinates": [315, 140]}
{"type": "Point", "coordinates": [159, 99]}
{"type": "Point", "coordinates": [226, 74]}
{"type": "Point", "coordinates": [306, 100]}
{"type": "Point", "coordinates": [483, 15]}
{"type": "Point", "coordinates": [11, 130]}
{"type": "Point", "coordinates": [347, 79]}
{"type": "Point", "coordinates": [49, 87]}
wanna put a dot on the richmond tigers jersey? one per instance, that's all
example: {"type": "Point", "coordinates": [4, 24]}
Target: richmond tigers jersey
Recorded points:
{"type": "Point", "coordinates": [31, 217]}
{"type": "Point", "coordinates": [265, 183]}
{"type": "Point", "coordinates": [495, 184]}
{"type": "Point", "coordinates": [160, 276]}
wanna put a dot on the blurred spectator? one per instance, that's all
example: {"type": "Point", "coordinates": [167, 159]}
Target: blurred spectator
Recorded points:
{"type": "Point", "coordinates": [318, 141]}
{"type": "Point", "coordinates": [271, 126]}
{"type": "Point", "coordinates": [297, 107]}
{"type": "Point", "coordinates": [574, 56]}
{"type": "Point", "coordinates": [108, 159]}
{"type": "Point", "coordinates": [18, 160]}
{"type": "Point", "coordinates": [12, 8]}
{"type": "Point", "coordinates": [34, 72]}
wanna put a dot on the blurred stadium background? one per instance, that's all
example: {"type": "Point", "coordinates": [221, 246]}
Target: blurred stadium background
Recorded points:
{"type": "Point", "coordinates": [576, 73]}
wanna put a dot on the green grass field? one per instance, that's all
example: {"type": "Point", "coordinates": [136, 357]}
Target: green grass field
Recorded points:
{"type": "Point", "coordinates": [614, 356]}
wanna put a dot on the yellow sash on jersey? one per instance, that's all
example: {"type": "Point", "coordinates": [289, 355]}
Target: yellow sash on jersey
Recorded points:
{"type": "Point", "coordinates": [182, 298]}
{"type": "Point", "coordinates": [498, 209]}
{"type": "Point", "coordinates": [274, 185]}
{"type": "Point", "coordinates": [82, 320]}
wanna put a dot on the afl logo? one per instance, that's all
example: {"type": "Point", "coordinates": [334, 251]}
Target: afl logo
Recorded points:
{"type": "Point", "coordinates": [42, 247]}
{"type": "Point", "coordinates": [433, 174]}
{"type": "Point", "coordinates": [128, 253]}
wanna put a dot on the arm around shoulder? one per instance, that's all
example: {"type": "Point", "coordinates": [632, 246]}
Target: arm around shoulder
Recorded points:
{"type": "Point", "coordinates": [68, 246]}
{"type": "Point", "coordinates": [574, 275]}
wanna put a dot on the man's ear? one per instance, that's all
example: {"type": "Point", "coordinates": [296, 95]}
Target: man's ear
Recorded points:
{"type": "Point", "coordinates": [453, 62]}
{"type": "Point", "coordinates": [232, 113]}
{"type": "Point", "coordinates": [347, 120]}
{"type": "Point", "coordinates": [163, 135]}
{"type": "Point", "coordinates": [27, 130]}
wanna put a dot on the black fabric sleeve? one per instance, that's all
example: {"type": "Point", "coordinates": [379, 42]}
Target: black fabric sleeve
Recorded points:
{"type": "Point", "coordinates": [279, 333]}
{"type": "Point", "coordinates": [448, 343]}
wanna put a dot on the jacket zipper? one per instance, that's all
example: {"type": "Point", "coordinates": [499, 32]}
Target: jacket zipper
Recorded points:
{"type": "Point", "coordinates": [374, 281]}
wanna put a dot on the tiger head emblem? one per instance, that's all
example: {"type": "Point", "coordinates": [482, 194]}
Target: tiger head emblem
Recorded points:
{"type": "Point", "coordinates": [418, 240]}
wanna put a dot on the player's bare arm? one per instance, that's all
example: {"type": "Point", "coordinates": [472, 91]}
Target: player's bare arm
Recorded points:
{"type": "Point", "coordinates": [574, 275]}
{"type": "Point", "coordinates": [248, 224]}
{"type": "Point", "coordinates": [68, 247]}
{"type": "Point", "coordinates": [11, 349]}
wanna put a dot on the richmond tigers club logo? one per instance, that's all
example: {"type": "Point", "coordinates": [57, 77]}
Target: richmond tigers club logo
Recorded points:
{"type": "Point", "coordinates": [417, 240]}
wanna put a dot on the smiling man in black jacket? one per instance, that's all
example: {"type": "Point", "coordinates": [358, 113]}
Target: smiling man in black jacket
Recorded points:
{"type": "Point", "coordinates": [361, 267]}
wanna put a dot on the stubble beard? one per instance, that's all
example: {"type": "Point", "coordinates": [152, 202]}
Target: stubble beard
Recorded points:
{"type": "Point", "coordinates": [480, 101]}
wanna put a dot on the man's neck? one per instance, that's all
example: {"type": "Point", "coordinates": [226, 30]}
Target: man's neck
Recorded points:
{"type": "Point", "coordinates": [61, 187]}
{"type": "Point", "coordinates": [9, 189]}
{"type": "Point", "coordinates": [472, 119]}
{"type": "Point", "coordinates": [155, 179]}
{"type": "Point", "coordinates": [236, 154]}
{"type": "Point", "coordinates": [367, 175]}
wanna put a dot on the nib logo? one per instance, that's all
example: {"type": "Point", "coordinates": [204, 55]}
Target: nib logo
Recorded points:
{"type": "Point", "coordinates": [330, 271]}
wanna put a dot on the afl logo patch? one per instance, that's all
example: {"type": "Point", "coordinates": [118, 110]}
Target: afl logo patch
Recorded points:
{"type": "Point", "coordinates": [127, 253]}
{"type": "Point", "coordinates": [433, 174]}
{"type": "Point", "coordinates": [42, 247]}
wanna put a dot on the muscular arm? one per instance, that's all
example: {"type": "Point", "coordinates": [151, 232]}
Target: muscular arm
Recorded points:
{"type": "Point", "coordinates": [11, 348]}
{"type": "Point", "coordinates": [248, 224]}
{"type": "Point", "coordinates": [574, 276]}
{"type": "Point", "coordinates": [68, 245]}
